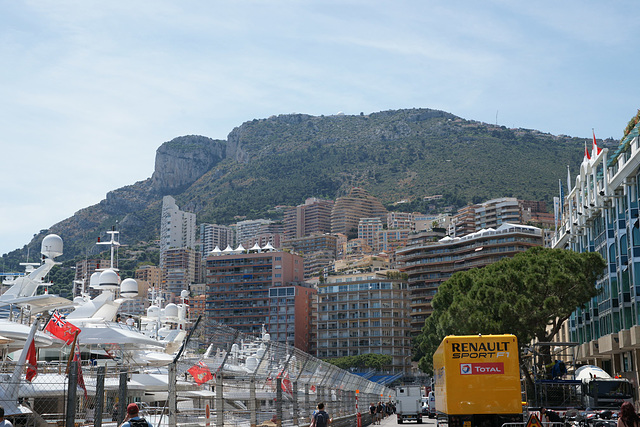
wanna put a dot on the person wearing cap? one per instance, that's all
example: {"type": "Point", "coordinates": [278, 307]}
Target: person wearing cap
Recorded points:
{"type": "Point", "coordinates": [133, 418]}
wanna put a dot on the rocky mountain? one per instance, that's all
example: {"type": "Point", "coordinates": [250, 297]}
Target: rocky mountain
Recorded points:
{"type": "Point", "coordinates": [264, 163]}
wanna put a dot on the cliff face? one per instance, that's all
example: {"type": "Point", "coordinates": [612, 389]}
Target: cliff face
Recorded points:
{"type": "Point", "coordinates": [181, 161]}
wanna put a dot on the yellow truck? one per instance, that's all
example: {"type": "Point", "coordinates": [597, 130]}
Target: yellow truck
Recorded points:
{"type": "Point", "coordinates": [477, 381]}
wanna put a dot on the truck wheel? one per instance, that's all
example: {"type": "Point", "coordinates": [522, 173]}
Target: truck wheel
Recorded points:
{"type": "Point", "coordinates": [399, 420]}
{"type": "Point", "coordinates": [419, 420]}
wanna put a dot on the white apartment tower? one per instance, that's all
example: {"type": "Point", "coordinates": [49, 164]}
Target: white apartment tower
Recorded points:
{"type": "Point", "coordinates": [177, 228]}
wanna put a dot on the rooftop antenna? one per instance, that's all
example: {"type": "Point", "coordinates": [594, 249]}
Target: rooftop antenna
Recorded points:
{"type": "Point", "coordinates": [113, 243]}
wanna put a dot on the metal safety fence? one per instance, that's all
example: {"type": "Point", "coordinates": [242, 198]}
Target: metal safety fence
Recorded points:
{"type": "Point", "coordinates": [220, 377]}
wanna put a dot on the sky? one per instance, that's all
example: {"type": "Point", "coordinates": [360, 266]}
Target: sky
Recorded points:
{"type": "Point", "coordinates": [89, 90]}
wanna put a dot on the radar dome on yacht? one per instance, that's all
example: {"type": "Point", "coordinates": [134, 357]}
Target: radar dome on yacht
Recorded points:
{"type": "Point", "coordinates": [153, 311]}
{"type": "Point", "coordinates": [109, 279]}
{"type": "Point", "coordinates": [266, 337]}
{"type": "Point", "coordinates": [129, 288]}
{"type": "Point", "coordinates": [94, 281]}
{"type": "Point", "coordinates": [184, 294]}
{"type": "Point", "coordinates": [51, 246]}
{"type": "Point", "coordinates": [251, 363]}
{"type": "Point", "coordinates": [171, 310]}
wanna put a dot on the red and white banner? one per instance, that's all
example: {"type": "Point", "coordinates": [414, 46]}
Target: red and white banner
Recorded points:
{"type": "Point", "coordinates": [32, 363]}
{"type": "Point", "coordinates": [200, 373]}
{"type": "Point", "coordinates": [77, 358]}
{"type": "Point", "coordinates": [60, 328]}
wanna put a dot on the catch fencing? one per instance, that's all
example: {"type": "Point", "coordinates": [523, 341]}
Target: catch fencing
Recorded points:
{"type": "Point", "coordinates": [244, 380]}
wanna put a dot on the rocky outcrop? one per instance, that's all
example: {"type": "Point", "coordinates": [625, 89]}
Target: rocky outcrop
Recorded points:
{"type": "Point", "coordinates": [181, 161]}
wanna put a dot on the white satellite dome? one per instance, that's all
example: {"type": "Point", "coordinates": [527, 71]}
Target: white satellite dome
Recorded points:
{"type": "Point", "coordinates": [51, 246]}
{"type": "Point", "coordinates": [235, 349]}
{"type": "Point", "coordinates": [184, 294]}
{"type": "Point", "coordinates": [109, 279]}
{"type": "Point", "coordinates": [251, 363]}
{"type": "Point", "coordinates": [129, 288]}
{"type": "Point", "coordinates": [94, 281]}
{"type": "Point", "coordinates": [78, 300]}
{"type": "Point", "coordinates": [171, 310]}
{"type": "Point", "coordinates": [153, 311]}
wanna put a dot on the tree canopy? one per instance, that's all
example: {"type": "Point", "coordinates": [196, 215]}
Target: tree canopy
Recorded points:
{"type": "Point", "coordinates": [370, 361]}
{"type": "Point", "coordinates": [529, 295]}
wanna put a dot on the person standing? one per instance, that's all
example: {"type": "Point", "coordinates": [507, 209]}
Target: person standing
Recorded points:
{"type": "Point", "coordinates": [628, 416]}
{"type": "Point", "coordinates": [133, 418]}
{"type": "Point", "coordinates": [3, 421]}
{"type": "Point", "coordinates": [130, 322]}
{"type": "Point", "coordinates": [321, 418]}
{"type": "Point", "coordinates": [379, 410]}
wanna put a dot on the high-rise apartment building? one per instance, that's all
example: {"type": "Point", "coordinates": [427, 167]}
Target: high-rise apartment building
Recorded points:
{"type": "Point", "coordinates": [399, 220]}
{"type": "Point", "coordinates": [243, 288]}
{"type": "Point", "coordinates": [430, 263]}
{"type": "Point", "coordinates": [318, 250]}
{"type": "Point", "coordinates": [364, 313]}
{"type": "Point", "coordinates": [177, 248]}
{"type": "Point", "coordinates": [348, 210]}
{"type": "Point", "coordinates": [389, 241]}
{"type": "Point", "coordinates": [181, 269]}
{"type": "Point", "coordinates": [314, 216]}
{"type": "Point", "coordinates": [493, 213]}
{"type": "Point", "coordinates": [368, 229]}
{"type": "Point", "coordinates": [247, 231]}
{"type": "Point", "coordinates": [212, 235]}
{"type": "Point", "coordinates": [177, 228]}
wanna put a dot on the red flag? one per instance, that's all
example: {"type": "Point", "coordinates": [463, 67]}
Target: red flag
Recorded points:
{"type": "Point", "coordinates": [200, 372]}
{"type": "Point", "coordinates": [586, 151]}
{"type": "Point", "coordinates": [60, 328]}
{"type": "Point", "coordinates": [78, 358]}
{"type": "Point", "coordinates": [286, 385]}
{"type": "Point", "coordinates": [32, 363]}
{"type": "Point", "coordinates": [595, 144]}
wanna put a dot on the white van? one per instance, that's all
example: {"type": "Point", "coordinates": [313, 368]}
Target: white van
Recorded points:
{"type": "Point", "coordinates": [432, 404]}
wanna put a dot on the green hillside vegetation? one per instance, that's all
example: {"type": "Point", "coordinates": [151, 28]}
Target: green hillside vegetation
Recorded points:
{"type": "Point", "coordinates": [394, 155]}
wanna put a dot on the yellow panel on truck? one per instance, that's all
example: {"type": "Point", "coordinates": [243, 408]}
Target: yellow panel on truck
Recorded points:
{"type": "Point", "coordinates": [478, 376]}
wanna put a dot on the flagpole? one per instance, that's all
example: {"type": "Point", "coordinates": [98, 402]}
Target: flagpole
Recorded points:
{"type": "Point", "coordinates": [17, 371]}
{"type": "Point", "coordinates": [71, 353]}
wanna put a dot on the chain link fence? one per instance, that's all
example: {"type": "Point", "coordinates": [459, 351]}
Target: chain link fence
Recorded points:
{"type": "Point", "coordinates": [221, 377]}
